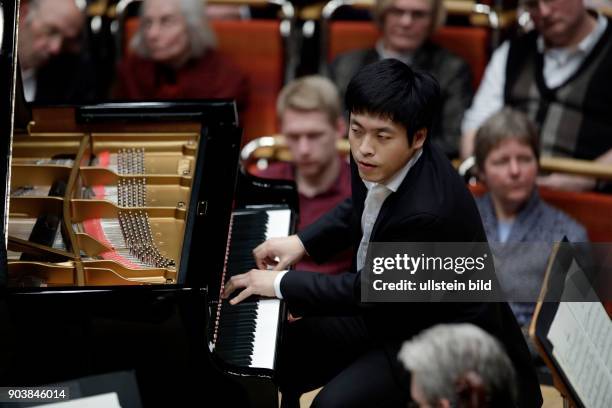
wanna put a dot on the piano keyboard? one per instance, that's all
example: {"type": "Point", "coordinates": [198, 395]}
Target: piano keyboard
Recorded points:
{"type": "Point", "coordinates": [246, 334]}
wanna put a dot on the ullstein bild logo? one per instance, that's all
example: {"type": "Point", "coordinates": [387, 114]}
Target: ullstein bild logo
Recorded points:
{"type": "Point", "coordinates": [432, 285]}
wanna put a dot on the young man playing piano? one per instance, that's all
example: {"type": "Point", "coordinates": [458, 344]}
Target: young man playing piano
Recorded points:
{"type": "Point", "coordinates": [403, 190]}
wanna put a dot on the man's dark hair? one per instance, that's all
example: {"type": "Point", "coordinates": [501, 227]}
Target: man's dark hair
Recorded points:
{"type": "Point", "coordinates": [392, 90]}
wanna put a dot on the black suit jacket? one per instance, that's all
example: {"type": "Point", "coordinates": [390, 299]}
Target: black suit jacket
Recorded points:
{"type": "Point", "coordinates": [432, 204]}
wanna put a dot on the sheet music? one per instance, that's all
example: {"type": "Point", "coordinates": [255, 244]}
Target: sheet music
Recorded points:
{"type": "Point", "coordinates": [581, 335]}
{"type": "Point", "coordinates": [108, 400]}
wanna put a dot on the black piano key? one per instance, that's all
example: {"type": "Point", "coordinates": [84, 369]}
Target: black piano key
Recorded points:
{"type": "Point", "coordinates": [237, 323]}
{"type": "Point", "coordinates": [242, 327]}
{"type": "Point", "coordinates": [238, 348]}
{"type": "Point", "coordinates": [243, 360]}
{"type": "Point", "coordinates": [236, 333]}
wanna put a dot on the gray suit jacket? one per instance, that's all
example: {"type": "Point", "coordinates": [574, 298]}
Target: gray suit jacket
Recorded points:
{"type": "Point", "coordinates": [452, 73]}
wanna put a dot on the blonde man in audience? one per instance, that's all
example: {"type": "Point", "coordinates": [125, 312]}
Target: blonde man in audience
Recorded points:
{"type": "Point", "coordinates": [173, 56]}
{"type": "Point", "coordinates": [559, 75]}
{"type": "Point", "coordinates": [405, 28]}
{"type": "Point", "coordinates": [310, 116]}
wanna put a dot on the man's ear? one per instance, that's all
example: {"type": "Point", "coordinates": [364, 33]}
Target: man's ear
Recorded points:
{"type": "Point", "coordinates": [419, 138]}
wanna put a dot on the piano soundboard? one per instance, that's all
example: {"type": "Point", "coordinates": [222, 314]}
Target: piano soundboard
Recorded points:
{"type": "Point", "coordinates": [107, 209]}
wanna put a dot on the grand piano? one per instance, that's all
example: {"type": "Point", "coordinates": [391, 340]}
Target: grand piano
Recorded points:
{"type": "Point", "coordinates": [121, 222]}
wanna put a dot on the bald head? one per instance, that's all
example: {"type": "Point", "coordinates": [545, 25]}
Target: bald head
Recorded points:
{"type": "Point", "coordinates": [45, 28]}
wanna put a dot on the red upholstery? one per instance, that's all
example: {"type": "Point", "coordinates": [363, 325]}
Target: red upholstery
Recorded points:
{"type": "Point", "coordinates": [470, 43]}
{"type": "Point", "coordinates": [256, 48]}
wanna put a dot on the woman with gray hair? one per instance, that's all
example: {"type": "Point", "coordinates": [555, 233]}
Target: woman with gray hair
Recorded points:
{"type": "Point", "coordinates": [173, 56]}
{"type": "Point", "coordinates": [458, 365]}
{"type": "Point", "coordinates": [405, 29]}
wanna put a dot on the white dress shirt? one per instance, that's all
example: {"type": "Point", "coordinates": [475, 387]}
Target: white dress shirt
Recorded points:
{"type": "Point", "coordinates": [559, 64]}
{"type": "Point", "coordinates": [384, 53]}
{"type": "Point", "coordinates": [391, 186]}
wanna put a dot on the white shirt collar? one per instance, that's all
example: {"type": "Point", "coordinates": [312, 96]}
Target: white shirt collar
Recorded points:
{"type": "Point", "coordinates": [383, 53]}
{"type": "Point", "coordinates": [28, 79]}
{"type": "Point", "coordinates": [585, 46]}
{"type": "Point", "coordinates": [395, 181]}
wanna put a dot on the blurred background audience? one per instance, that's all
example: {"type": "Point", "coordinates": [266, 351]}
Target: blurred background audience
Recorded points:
{"type": "Point", "coordinates": [54, 67]}
{"type": "Point", "coordinates": [173, 56]}
{"type": "Point", "coordinates": [557, 75]}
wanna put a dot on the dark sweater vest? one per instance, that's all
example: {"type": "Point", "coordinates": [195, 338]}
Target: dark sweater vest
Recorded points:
{"type": "Point", "coordinates": [575, 118]}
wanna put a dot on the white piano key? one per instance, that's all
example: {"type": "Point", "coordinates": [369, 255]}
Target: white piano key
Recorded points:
{"type": "Point", "coordinates": [266, 330]}
{"type": "Point", "coordinates": [278, 223]}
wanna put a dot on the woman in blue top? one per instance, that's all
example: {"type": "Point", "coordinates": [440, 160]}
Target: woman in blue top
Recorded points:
{"type": "Point", "coordinates": [507, 153]}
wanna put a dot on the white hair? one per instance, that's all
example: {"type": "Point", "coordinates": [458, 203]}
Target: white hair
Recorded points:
{"type": "Point", "coordinates": [201, 36]}
{"type": "Point", "coordinates": [440, 355]}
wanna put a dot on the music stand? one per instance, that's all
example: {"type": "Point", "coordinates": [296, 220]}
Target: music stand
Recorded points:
{"type": "Point", "coordinates": [558, 324]}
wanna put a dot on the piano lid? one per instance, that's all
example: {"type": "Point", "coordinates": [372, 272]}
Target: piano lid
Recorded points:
{"type": "Point", "coordinates": [213, 173]}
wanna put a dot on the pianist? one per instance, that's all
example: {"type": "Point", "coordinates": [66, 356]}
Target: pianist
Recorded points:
{"type": "Point", "coordinates": [406, 184]}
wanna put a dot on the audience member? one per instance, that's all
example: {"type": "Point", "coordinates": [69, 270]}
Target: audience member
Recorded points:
{"type": "Point", "coordinates": [459, 365]}
{"type": "Point", "coordinates": [311, 121]}
{"type": "Point", "coordinates": [405, 27]}
{"type": "Point", "coordinates": [558, 75]}
{"type": "Point", "coordinates": [48, 48]}
{"type": "Point", "coordinates": [174, 57]}
{"type": "Point", "coordinates": [512, 212]}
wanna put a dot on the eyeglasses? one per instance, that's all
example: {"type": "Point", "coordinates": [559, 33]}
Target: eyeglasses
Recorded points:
{"type": "Point", "coordinates": [397, 12]}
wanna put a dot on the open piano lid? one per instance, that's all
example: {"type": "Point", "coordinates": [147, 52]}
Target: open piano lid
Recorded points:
{"type": "Point", "coordinates": [213, 181]}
